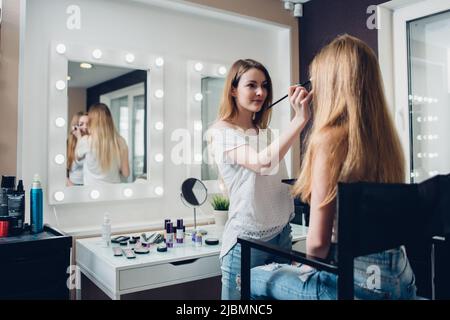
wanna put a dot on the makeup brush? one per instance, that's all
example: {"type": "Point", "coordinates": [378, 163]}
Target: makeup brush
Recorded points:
{"type": "Point", "coordinates": [300, 85]}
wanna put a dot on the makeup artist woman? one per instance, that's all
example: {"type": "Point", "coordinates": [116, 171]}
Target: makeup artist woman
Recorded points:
{"type": "Point", "coordinates": [260, 205]}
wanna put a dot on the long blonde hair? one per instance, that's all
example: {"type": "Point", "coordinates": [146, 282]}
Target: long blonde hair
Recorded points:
{"type": "Point", "coordinates": [350, 108]}
{"type": "Point", "coordinates": [228, 109]}
{"type": "Point", "coordinates": [72, 140]}
{"type": "Point", "coordinates": [105, 140]}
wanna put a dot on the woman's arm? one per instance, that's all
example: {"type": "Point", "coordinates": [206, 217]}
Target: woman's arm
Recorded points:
{"type": "Point", "coordinates": [321, 218]}
{"type": "Point", "coordinates": [275, 152]}
{"type": "Point", "coordinates": [82, 148]}
{"type": "Point", "coordinates": [124, 164]}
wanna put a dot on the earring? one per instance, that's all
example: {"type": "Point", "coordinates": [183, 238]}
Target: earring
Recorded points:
{"type": "Point", "coordinates": [254, 116]}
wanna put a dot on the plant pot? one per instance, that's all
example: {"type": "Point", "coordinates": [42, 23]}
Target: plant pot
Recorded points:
{"type": "Point", "coordinates": [220, 217]}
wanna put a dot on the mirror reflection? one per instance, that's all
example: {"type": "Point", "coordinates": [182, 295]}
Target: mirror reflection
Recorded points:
{"type": "Point", "coordinates": [212, 88]}
{"type": "Point", "coordinates": [106, 138]}
{"type": "Point", "coordinates": [194, 192]}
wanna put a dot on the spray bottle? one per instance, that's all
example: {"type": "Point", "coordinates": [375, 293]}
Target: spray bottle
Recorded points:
{"type": "Point", "coordinates": [36, 206]}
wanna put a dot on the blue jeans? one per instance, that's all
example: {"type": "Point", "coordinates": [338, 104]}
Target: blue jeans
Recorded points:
{"type": "Point", "coordinates": [380, 276]}
{"type": "Point", "coordinates": [231, 263]}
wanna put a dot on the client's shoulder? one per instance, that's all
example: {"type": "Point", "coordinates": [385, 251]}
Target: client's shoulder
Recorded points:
{"type": "Point", "coordinates": [221, 124]}
{"type": "Point", "coordinates": [330, 137]}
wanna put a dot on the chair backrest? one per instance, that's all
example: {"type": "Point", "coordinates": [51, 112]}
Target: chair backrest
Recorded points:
{"type": "Point", "coordinates": [373, 217]}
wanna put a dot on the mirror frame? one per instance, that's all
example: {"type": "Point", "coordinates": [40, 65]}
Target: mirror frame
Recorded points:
{"type": "Point", "coordinates": [194, 115]}
{"type": "Point", "coordinates": [58, 192]}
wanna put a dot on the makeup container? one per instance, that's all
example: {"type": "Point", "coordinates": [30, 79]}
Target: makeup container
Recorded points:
{"type": "Point", "coordinates": [198, 239]}
{"type": "Point", "coordinates": [4, 226]}
{"type": "Point", "coordinates": [180, 232]}
{"type": "Point", "coordinates": [7, 187]}
{"type": "Point", "coordinates": [166, 221]}
{"type": "Point", "coordinates": [169, 235]}
{"type": "Point", "coordinates": [16, 209]}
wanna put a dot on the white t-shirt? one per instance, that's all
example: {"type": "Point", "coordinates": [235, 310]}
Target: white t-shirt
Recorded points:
{"type": "Point", "coordinates": [92, 172]}
{"type": "Point", "coordinates": [76, 172]}
{"type": "Point", "coordinates": [260, 205]}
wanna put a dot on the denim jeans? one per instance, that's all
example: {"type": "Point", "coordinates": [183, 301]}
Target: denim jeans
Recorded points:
{"type": "Point", "coordinates": [380, 276]}
{"type": "Point", "coordinates": [231, 263]}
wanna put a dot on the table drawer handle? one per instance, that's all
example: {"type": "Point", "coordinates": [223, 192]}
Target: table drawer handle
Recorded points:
{"type": "Point", "coordinates": [178, 263]}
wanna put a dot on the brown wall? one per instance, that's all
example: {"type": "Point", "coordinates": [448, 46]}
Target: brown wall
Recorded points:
{"type": "Point", "coordinates": [9, 79]}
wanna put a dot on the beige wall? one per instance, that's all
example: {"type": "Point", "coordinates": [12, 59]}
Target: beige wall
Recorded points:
{"type": "Point", "coordinates": [271, 10]}
{"type": "Point", "coordinates": [9, 79]}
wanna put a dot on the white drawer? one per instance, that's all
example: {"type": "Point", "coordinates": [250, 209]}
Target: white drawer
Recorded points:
{"type": "Point", "coordinates": [169, 272]}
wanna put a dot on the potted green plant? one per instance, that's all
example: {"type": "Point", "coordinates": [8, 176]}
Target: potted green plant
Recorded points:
{"type": "Point", "coordinates": [220, 204]}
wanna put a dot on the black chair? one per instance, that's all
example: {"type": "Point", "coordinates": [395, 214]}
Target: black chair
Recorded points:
{"type": "Point", "coordinates": [374, 217]}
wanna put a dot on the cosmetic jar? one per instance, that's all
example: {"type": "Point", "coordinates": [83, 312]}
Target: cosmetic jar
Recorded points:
{"type": "Point", "coordinates": [4, 226]}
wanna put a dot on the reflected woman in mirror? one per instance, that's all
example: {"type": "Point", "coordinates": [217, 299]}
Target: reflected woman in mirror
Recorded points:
{"type": "Point", "coordinates": [353, 139]}
{"type": "Point", "coordinates": [250, 162]}
{"type": "Point", "coordinates": [74, 166]}
{"type": "Point", "coordinates": [104, 151]}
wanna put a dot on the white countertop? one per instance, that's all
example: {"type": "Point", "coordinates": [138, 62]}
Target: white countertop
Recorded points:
{"type": "Point", "coordinates": [183, 263]}
{"type": "Point", "coordinates": [187, 249]}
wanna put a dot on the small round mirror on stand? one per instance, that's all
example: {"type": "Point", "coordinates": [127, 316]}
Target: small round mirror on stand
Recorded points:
{"type": "Point", "coordinates": [193, 195]}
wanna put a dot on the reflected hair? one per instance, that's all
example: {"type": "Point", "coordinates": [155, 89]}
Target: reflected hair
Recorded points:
{"type": "Point", "coordinates": [228, 109]}
{"type": "Point", "coordinates": [106, 143]}
{"type": "Point", "coordinates": [72, 140]}
{"type": "Point", "coordinates": [351, 116]}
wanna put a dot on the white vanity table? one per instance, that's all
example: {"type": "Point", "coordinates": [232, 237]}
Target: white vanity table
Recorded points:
{"type": "Point", "coordinates": [117, 276]}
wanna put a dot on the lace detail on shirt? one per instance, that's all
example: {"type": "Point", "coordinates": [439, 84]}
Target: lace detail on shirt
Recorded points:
{"type": "Point", "coordinates": [262, 234]}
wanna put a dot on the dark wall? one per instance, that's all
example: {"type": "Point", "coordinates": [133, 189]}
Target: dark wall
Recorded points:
{"type": "Point", "coordinates": [323, 20]}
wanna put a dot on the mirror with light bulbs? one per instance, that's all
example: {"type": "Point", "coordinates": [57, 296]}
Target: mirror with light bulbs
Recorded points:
{"type": "Point", "coordinates": [130, 87]}
{"type": "Point", "coordinates": [206, 82]}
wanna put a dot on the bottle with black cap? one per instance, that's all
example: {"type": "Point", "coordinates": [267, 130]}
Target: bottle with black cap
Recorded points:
{"type": "Point", "coordinates": [16, 209]}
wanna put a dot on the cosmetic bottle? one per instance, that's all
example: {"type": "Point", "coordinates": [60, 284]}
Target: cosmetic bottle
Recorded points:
{"type": "Point", "coordinates": [106, 231]}
{"type": "Point", "coordinates": [36, 206]}
{"type": "Point", "coordinates": [166, 221]}
{"type": "Point", "coordinates": [169, 235]}
{"type": "Point", "coordinates": [16, 209]}
{"type": "Point", "coordinates": [7, 187]}
{"type": "Point", "coordinates": [198, 239]}
{"type": "Point", "coordinates": [180, 232]}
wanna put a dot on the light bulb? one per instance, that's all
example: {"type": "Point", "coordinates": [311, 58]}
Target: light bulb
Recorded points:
{"type": "Point", "coordinates": [198, 126]}
{"type": "Point", "coordinates": [159, 125]}
{"type": "Point", "coordinates": [159, 157]}
{"type": "Point", "coordinates": [159, 93]}
{"type": "Point", "coordinates": [127, 192]}
{"type": "Point", "coordinates": [222, 70]}
{"type": "Point", "coordinates": [95, 194]}
{"type": "Point", "coordinates": [60, 122]}
{"type": "Point", "coordinates": [129, 57]}
{"type": "Point", "coordinates": [59, 159]}
{"type": "Point", "coordinates": [159, 62]}
{"type": "Point", "coordinates": [60, 85]}
{"type": "Point", "coordinates": [198, 66]}
{"type": "Point", "coordinates": [85, 65]}
{"type": "Point", "coordinates": [59, 196]}
{"type": "Point", "coordinates": [97, 53]}
{"type": "Point", "coordinates": [159, 191]}
{"type": "Point", "coordinates": [198, 97]}
{"type": "Point", "coordinates": [61, 48]}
